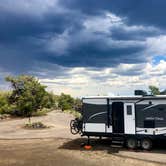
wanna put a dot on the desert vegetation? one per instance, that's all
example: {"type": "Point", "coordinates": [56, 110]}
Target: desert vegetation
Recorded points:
{"type": "Point", "coordinates": [28, 97]}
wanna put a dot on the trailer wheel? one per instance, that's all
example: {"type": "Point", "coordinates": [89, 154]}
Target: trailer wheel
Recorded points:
{"type": "Point", "coordinates": [131, 143]}
{"type": "Point", "coordinates": [146, 144]}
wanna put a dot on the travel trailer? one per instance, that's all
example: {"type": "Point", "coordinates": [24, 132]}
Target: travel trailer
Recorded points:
{"type": "Point", "coordinates": [138, 120]}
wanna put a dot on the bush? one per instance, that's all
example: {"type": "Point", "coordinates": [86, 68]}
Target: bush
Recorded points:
{"type": "Point", "coordinates": [65, 102]}
{"type": "Point", "coordinates": [29, 95]}
{"type": "Point", "coordinates": [70, 105]}
{"type": "Point", "coordinates": [5, 107]}
{"type": "Point", "coordinates": [35, 125]}
{"type": "Point", "coordinates": [73, 112]}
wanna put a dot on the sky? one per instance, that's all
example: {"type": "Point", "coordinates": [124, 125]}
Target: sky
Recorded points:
{"type": "Point", "coordinates": [85, 47]}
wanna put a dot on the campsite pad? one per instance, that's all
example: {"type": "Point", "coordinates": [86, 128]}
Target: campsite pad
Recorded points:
{"type": "Point", "coordinates": [19, 146]}
{"type": "Point", "coordinates": [58, 122]}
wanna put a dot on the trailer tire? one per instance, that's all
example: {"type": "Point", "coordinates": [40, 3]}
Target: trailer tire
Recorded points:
{"type": "Point", "coordinates": [131, 143]}
{"type": "Point", "coordinates": [146, 144]}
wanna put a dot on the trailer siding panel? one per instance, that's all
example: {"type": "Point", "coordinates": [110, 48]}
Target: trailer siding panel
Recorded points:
{"type": "Point", "coordinates": [93, 113]}
{"type": "Point", "coordinates": [156, 113]}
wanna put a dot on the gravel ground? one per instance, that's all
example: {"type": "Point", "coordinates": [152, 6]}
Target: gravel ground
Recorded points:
{"type": "Point", "coordinates": [58, 122]}
{"type": "Point", "coordinates": [57, 146]}
{"type": "Point", "coordinates": [59, 152]}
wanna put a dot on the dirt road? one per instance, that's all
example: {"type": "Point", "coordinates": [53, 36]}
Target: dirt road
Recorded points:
{"type": "Point", "coordinates": [56, 146]}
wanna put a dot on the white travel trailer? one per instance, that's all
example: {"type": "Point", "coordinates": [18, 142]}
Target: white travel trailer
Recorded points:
{"type": "Point", "coordinates": [138, 120]}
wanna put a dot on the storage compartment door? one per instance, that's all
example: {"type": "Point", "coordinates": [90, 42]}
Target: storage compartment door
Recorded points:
{"type": "Point", "coordinates": [129, 118]}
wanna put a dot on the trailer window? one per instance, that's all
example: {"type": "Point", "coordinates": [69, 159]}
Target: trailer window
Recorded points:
{"type": "Point", "coordinates": [129, 110]}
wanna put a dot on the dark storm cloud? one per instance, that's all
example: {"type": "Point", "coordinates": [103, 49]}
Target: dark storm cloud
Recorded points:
{"type": "Point", "coordinates": [16, 26]}
{"type": "Point", "coordinates": [142, 12]}
{"type": "Point", "coordinates": [22, 36]}
{"type": "Point", "coordinates": [120, 33]}
{"type": "Point", "coordinates": [92, 54]}
{"type": "Point", "coordinates": [40, 42]}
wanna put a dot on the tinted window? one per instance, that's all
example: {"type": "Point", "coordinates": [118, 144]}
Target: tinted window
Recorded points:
{"type": "Point", "coordinates": [129, 110]}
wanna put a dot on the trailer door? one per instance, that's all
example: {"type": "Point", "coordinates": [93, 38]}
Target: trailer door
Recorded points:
{"type": "Point", "coordinates": [118, 117]}
{"type": "Point", "coordinates": [129, 118]}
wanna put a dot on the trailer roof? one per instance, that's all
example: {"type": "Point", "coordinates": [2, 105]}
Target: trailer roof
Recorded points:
{"type": "Point", "coordinates": [126, 97]}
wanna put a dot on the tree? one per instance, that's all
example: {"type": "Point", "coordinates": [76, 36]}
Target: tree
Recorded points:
{"type": "Point", "coordinates": [49, 100]}
{"type": "Point", "coordinates": [66, 102]}
{"type": "Point", "coordinates": [154, 90]}
{"type": "Point", "coordinates": [28, 94]}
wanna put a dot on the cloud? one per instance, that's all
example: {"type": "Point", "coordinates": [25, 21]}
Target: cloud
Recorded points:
{"type": "Point", "coordinates": [71, 44]}
{"type": "Point", "coordinates": [135, 12]}
{"type": "Point", "coordinates": [31, 7]}
{"type": "Point", "coordinates": [69, 38]}
{"type": "Point", "coordinates": [156, 70]}
{"type": "Point", "coordinates": [87, 81]}
{"type": "Point", "coordinates": [129, 69]}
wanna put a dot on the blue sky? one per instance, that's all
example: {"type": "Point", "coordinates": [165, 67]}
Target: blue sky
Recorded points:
{"type": "Point", "coordinates": [85, 47]}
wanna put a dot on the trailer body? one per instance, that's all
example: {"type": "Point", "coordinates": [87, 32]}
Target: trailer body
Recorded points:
{"type": "Point", "coordinates": [126, 116]}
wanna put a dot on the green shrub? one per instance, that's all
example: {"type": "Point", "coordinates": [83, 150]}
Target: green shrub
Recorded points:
{"type": "Point", "coordinates": [5, 107]}
{"type": "Point", "coordinates": [65, 102]}
{"type": "Point", "coordinates": [35, 125]}
{"type": "Point", "coordinates": [73, 112]}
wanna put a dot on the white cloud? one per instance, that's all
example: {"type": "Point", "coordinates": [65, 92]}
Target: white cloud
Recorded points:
{"type": "Point", "coordinates": [102, 24]}
{"type": "Point", "coordinates": [156, 45]}
{"type": "Point", "coordinates": [82, 81]}
{"type": "Point", "coordinates": [156, 70]}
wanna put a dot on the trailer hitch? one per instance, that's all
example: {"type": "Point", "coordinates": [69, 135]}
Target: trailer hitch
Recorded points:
{"type": "Point", "coordinates": [76, 126]}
